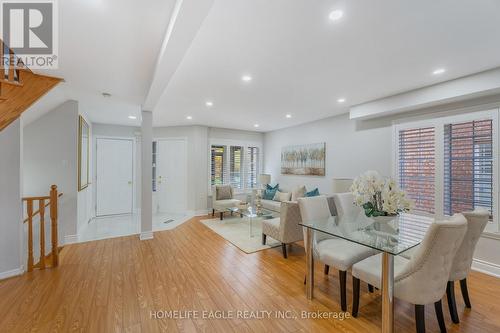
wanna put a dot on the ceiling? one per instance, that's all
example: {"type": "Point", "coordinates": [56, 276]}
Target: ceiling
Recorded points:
{"type": "Point", "coordinates": [107, 46]}
{"type": "Point", "coordinates": [302, 63]}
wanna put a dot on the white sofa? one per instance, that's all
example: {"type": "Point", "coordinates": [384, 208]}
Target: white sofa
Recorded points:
{"type": "Point", "coordinates": [275, 206]}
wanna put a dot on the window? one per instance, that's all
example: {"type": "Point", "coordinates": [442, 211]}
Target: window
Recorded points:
{"type": "Point", "coordinates": [252, 161]}
{"type": "Point", "coordinates": [468, 166]}
{"type": "Point", "coordinates": [237, 165]}
{"type": "Point", "coordinates": [416, 166]}
{"type": "Point", "coordinates": [217, 165]}
{"type": "Point", "coordinates": [450, 165]}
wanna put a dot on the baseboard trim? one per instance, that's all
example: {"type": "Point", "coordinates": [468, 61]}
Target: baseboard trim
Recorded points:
{"type": "Point", "coordinates": [201, 212]}
{"type": "Point", "coordinates": [70, 239]}
{"type": "Point", "coordinates": [486, 267]}
{"type": "Point", "coordinates": [11, 273]}
{"type": "Point", "coordinates": [145, 235]}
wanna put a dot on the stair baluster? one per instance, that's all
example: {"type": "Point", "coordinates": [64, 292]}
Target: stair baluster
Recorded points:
{"type": "Point", "coordinates": [43, 202]}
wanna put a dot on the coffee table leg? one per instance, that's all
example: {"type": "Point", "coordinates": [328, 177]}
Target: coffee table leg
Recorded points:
{"type": "Point", "coordinates": [387, 293]}
{"type": "Point", "coordinates": [251, 226]}
{"type": "Point", "coordinates": [309, 264]}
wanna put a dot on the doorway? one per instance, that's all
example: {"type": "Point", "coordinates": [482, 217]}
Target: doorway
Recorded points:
{"type": "Point", "coordinates": [170, 187]}
{"type": "Point", "coordinates": [114, 176]}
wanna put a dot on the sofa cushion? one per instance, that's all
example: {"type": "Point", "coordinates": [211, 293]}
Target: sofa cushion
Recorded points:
{"type": "Point", "coordinates": [282, 196]}
{"type": "Point", "coordinates": [275, 206]}
{"type": "Point", "coordinates": [298, 192]}
{"type": "Point", "coordinates": [271, 228]}
{"type": "Point", "coordinates": [224, 192]}
{"type": "Point", "coordinates": [228, 203]}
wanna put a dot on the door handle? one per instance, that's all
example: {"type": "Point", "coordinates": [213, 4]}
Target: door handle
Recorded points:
{"type": "Point", "coordinates": [130, 182]}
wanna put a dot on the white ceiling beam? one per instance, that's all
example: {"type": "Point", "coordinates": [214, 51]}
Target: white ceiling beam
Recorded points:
{"type": "Point", "coordinates": [186, 19]}
{"type": "Point", "coordinates": [472, 86]}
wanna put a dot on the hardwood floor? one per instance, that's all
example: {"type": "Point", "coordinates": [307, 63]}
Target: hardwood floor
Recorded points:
{"type": "Point", "coordinates": [114, 285]}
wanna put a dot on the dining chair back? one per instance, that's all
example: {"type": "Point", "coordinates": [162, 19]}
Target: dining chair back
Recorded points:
{"type": "Point", "coordinates": [476, 222]}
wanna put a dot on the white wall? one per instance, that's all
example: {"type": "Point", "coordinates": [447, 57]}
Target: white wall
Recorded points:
{"type": "Point", "coordinates": [11, 241]}
{"type": "Point", "coordinates": [350, 150]}
{"type": "Point", "coordinates": [50, 157]}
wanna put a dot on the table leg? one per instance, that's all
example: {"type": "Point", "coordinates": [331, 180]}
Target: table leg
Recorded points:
{"type": "Point", "coordinates": [309, 264]}
{"type": "Point", "coordinates": [387, 293]}
{"type": "Point", "coordinates": [251, 227]}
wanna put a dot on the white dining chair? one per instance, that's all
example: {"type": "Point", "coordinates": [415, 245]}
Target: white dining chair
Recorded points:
{"type": "Point", "coordinates": [421, 279]}
{"type": "Point", "coordinates": [476, 222]}
{"type": "Point", "coordinates": [331, 251]}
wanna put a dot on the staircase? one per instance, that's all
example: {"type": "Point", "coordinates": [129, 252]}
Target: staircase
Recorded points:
{"type": "Point", "coordinates": [51, 201]}
{"type": "Point", "coordinates": [19, 86]}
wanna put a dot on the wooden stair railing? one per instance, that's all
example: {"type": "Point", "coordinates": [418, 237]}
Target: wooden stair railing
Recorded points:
{"type": "Point", "coordinates": [8, 67]}
{"type": "Point", "coordinates": [19, 86]}
{"type": "Point", "coordinates": [43, 202]}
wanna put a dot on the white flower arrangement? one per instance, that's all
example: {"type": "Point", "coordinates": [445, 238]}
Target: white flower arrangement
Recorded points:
{"type": "Point", "coordinates": [379, 196]}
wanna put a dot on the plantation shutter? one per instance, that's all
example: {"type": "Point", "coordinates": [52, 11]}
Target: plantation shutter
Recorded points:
{"type": "Point", "coordinates": [252, 166]}
{"type": "Point", "coordinates": [236, 167]}
{"type": "Point", "coordinates": [417, 166]}
{"type": "Point", "coordinates": [468, 166]}
{"type": "Point", "coordinates": [217, 162]}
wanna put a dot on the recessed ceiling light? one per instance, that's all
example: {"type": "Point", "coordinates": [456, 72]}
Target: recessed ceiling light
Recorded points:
{"type": "Point", "coordinates": [439, 71]}
{"type": "Point", "coordinates": [341, 100]}
{"type": "Point", "coordinates": [132, 117]}
{"type": "Point", "coordinates": [189, 117]}
{"type": "Point", "coordinates": [256, 125]}
{"type": "Point", "coordinates": [288, 116]}
{"type": "Point", "coordinates": [336, 15]}
{"type": "Point", "coordinates": [209, 104]}
{"type": "Point", "coordinates": [246, 78]}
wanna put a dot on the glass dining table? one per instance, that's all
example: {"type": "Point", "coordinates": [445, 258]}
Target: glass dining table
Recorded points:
{"type": "Point", "coordinates": [390, 236]}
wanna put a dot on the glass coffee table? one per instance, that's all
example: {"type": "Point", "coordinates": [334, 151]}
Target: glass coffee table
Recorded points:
{"type": "Point", "coordinates": [250, 214]}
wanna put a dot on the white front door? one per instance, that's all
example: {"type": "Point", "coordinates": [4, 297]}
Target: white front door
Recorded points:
{"type": "Point", "coordinates": [171, 179]}
{"type": "Point", "coordinates": [115, 174]}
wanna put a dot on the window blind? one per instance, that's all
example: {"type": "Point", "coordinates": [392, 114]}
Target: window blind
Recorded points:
{"type": "Point", "coordinates": [252, 166]}
{"type": "Point", "coordinates": [236, 167]}
{"type": "Point", "coordinates": [217, 163]}
{"type": "Point", "coordinates": [468, 166]}
{"type": "Point", "coordinates": [417, 166]}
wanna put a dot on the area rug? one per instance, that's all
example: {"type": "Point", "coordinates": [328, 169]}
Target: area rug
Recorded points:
{"type": "Point", "coordinates": [237, 231]}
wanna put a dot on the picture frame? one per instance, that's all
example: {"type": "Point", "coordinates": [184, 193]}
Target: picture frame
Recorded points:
{"type": "Point", "coordinates": [304, 160]}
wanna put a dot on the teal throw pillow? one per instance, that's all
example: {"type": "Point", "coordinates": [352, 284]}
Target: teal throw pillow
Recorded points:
{"type": "Point", "coordinates": [269, 194]}
{"type": "Point", "coordinates": [313, 193]}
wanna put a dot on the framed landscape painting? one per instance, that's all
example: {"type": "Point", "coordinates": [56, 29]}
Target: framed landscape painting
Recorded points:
{"type": "Point", "coordinates": [306, 160]}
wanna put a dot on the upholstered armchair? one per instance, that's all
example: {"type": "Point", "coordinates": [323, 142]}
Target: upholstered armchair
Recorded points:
{"type": "Point", "coordinates": [286, 228]}
{"type": "Point", "coordinates": [222, 199]}
{"type": "Point", "coordinates": [335, 252]}
{"type": "Point", "coordinates": [421, 279]}
{"type": "Point", "coordinates": [476, 222]}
